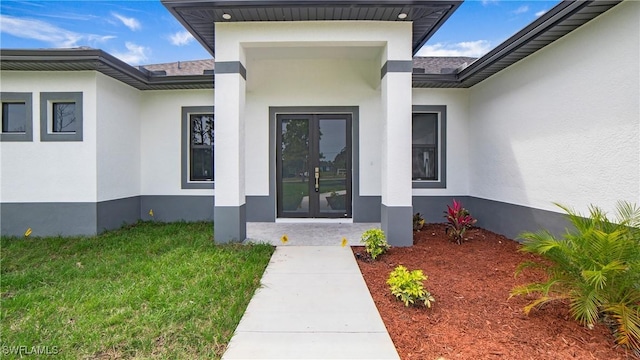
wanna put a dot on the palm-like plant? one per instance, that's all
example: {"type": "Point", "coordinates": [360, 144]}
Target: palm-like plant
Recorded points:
{"type": "Point", "coordinates": [596, 268]}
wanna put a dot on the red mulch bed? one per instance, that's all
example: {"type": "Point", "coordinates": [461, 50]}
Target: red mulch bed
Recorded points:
{"type": "Point", "coordinates": [473, 317]}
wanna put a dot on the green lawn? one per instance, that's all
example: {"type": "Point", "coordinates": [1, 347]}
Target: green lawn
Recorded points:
{"type": "Point", "coordinates": [148, 291]}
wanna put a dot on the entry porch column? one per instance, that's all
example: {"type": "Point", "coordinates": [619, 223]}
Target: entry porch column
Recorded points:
{"type": "Point", "coordinates": [230, 222]}
{"type": "Point", "coordinates": [396, 209]}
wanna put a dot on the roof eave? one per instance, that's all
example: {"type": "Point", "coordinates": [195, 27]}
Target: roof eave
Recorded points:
{"type": "Point", "coordinates": [97, 60]}
{"type": "Point", "coordinates": [480, 69]}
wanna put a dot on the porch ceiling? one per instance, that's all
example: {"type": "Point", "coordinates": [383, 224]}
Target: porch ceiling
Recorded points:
{"type": "Point", "coordinates": [198, 16]}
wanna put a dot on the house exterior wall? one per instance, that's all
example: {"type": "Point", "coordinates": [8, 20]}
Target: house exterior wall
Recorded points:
{"type": "Point", "coordinates": [118, 139]}
{"type": "Point", "coordinates": [563, 124]}
{"type": "Point", "coordinates": [50, 186]}
{"type": "Point", "coordinates": [118, 153]}
{"type": "Point", "coordinates": [160, 154]}
{"type": "Point", "coordinates": [430, 203]}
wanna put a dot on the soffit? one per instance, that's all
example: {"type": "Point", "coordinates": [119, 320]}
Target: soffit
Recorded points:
{"type": "Point", "coordinates": [199, 16]}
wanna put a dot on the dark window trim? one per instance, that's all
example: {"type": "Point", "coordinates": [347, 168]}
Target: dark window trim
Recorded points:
{"type": "Point", "coordinates": [441, 110]}
{"type": "Point", "coordinates": [27, 99]}
{"type": "Point", "coordinates": [186, 142]}
{"type": "Point", "coordinates": [46, 115]}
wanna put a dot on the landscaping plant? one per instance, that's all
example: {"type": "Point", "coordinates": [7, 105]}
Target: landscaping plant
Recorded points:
{"type": "Point", "coordinates": [407, 286]}
{"type": "Point", "coordinates": [418, 222]}
{"type": "Point", "coordinates": [596, 267]}
{"type": "Point", "coordinates": [375, 242]}
{"type": "Point", "coordinates": [458, 221]}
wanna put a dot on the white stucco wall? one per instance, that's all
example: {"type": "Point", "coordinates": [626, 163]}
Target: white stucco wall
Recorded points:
{"type": "Point", "coordinates": [118, 139]}
{"type": "Point", "coordinates": [51, 171]}
{"type": "Point", "coordinates": [160, 139]}
{"type": "Point", "coordinates": [458, 150]}
{"type": "Point", "coordinates": [563, 124]}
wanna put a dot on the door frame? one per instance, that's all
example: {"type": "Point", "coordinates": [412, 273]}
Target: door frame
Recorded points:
{"type": "Point", "coordinates": [314, 119]}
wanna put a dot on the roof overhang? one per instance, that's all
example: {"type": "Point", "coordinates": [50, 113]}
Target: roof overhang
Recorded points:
{"type": "Point", "coordinates": [199, 16]}
{"type": "Point", "coordinates": [80, 59]}
{"type": "Point", "coordinates": [554, 24]}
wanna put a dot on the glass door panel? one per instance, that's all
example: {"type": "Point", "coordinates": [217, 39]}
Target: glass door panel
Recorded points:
{"type": "Point", "coordinates": [294, 169]}
{"type": "Point", "coordinates": [334, 166]}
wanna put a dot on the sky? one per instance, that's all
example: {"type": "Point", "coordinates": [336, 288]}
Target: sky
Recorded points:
{"type": "Point", "coordinates": [144, 32]}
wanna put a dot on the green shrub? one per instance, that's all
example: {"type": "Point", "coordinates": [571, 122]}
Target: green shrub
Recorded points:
{"type": "Point", "coordinates": [375, 242]}
{"type": "Point", "coordinates": [418, 222]}
{"type": "Point", "coordinates": [407, 286]}
{"type": "Point", "coordinates": [596, 268]}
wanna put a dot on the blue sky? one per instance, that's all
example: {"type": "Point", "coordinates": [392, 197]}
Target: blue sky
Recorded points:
{"type": "Point", "coordinates": [144, 32]}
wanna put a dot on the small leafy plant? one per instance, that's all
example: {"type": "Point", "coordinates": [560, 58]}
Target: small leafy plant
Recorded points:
{"type": "Point", "coordinates": [418, 222]}
{"type": "Point", "coordinates": [458, 221]}
{"type": "Point", "coordinates": [407, 286]}
{"type": "Point", "coordinates": [375, 242]}
{"type": "Point", "coordinates": [596, 267]}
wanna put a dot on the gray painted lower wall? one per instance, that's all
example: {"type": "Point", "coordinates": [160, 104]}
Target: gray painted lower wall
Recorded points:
{"type": "Point", "coordinates": [261, 208]}
{"type": "Point", "coordinates": [511, 220]}
{"type": "Point", "coordinates": [176, 207]}
{"type": "Point", "coordinates": [366, 208]}
{"type": "Point", "coordinates": [66, 219]}
{"type": "Point", "coordinates": [231, 224]}
{"type": "Point", "coordinates": [113, 214]}
{"type": "Point", "coordinates": [48, 219]}
{"type": "Point", "coordinates": [396, 222]}
{"type": "Point", "coordinates": [500, 217]}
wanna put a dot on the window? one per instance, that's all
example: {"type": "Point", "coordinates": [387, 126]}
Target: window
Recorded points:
{"type": "Point", "coordinates": [17, 120]}
{"type": "Point", "coordinates": [197, 147]}
{"type": "Point", "coordinates": [61, 116]}
{"type": "Point", "coordinates": [428, 146]}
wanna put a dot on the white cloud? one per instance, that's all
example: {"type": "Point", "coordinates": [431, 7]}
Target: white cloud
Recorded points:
{"type": "Point", "coordinates": [540, 13]}
{"type": "Point", "coordinates": [132, 23]}
{"type": "Point", "coordinates": [488, 2]}
{"type": "Point", "coordinates": [521, 10]}
{"type": "Point", "coordinates": [181, 38]}
{"type": "Point", "coordinates": [134, 55]}
{"type": "Point", "coordinates": [100, 38]}
{"type": "Point", "coordinates": [43, 31]}
{"type": "Point", "coordinates": [467, 48]}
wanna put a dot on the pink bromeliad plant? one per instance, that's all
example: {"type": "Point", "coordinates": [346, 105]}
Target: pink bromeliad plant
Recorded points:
{"type": "Point", "coordinates": [458, 221]}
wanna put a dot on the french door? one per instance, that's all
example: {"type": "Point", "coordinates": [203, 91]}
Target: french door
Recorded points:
{"type": "Point", "coordinates": [313, 165]}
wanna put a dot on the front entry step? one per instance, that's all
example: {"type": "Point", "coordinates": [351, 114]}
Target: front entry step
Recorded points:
{"type": "Point", "coordinates": [308, 234]}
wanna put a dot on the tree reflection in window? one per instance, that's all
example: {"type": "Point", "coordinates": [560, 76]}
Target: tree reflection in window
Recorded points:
{"type": "Point", "coordinates": [64, 117]}
{"type": "Point", "coordinates": [202, 150]}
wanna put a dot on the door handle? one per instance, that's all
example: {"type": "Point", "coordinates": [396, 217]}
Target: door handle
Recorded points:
{"type": "Point", "coordinates": [317, 175]}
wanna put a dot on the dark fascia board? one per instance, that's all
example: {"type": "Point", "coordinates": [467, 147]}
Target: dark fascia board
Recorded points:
{"type": "Point", "coordinates": [98, 60]}
{"type": "Point", "coordinates": [174, 7]}
{"type": "Point", "coordinates": [423, 40]}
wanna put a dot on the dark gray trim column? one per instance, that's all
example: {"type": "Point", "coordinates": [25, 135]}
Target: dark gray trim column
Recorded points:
{"type": "Point", "coordinates": [397, 224]}
{"type": "Point", "coordinates": [230, 223]}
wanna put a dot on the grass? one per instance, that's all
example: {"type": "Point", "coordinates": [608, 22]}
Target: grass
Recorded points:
{"type": "Point", "coordinates": [148, 291]}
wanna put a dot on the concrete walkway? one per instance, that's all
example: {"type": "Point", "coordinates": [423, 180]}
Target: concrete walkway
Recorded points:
{"type": "Point", "coordinates": [304, 232]}
{"type": "Point", "coordinates": [313, 304]}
